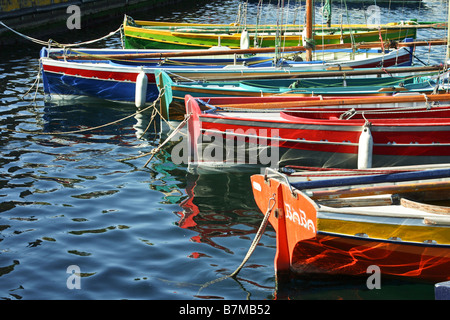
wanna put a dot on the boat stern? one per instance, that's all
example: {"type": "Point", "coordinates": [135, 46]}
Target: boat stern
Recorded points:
{"type": "Point", "coordinates": [164, 85]}
{"type": "Point", "coordinates": [291, 213]}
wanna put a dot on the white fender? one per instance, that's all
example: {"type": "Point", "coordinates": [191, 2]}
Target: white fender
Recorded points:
{"type": "Point", "coordinates": [141, 89]}
{"type": "Point", "coordinates": [245, 39]}
{"type": "Point", "coordinates": [365, 149]}
{"type": "Point", "coordinates": [304, 42]}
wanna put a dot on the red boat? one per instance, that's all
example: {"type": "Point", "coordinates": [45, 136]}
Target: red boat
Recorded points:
{"type": "Point", "coordinates": [353, 223]}
{"type": "Point", "coordinates": [347, 133]}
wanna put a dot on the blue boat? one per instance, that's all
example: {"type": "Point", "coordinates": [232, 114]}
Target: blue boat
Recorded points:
{"type": "Point", "coordinates": [112, 75]}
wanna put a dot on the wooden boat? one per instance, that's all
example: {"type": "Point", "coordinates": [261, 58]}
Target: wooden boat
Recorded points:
{"type": "Point", "coordinates": [268, 104]}
{"type": "Point", "coordinates": [112, 75]}
{"type": "Point", "coordinates": [393, 220]}
{"type": "Point", "coordinates": [353, 132]}
{"type": "Point", "coordinates": [175, 91]}
{"type": "Point", "coordinates": [159, 35]}
{"type": "Point", "coordinates": [235, 27]}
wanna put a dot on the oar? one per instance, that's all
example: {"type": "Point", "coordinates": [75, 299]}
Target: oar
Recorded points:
{"type": "Point", "coordinates": [195, 28]}
{"type": "Point", "coordinates": [381, 178]}
{"type": "Point", "coordinates": [194, 53]}
{"type": "Point", "coordinates": [333, 101]}
{"type": "Point", "coordinates": [379, 190]}
{"type": "Point", "coordinates": [289, 74]}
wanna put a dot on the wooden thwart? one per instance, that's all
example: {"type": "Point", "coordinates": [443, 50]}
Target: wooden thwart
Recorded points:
{"type": "Point", "coordinates": [379, 190]}
{"type": "Point", "coordinates": [430, 208]}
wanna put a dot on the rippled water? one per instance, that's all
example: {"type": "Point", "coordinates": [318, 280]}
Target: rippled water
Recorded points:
{"type": "Point", "coordinates": [156, 232]}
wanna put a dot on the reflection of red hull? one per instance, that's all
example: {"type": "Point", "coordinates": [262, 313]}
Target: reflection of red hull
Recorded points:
{"type": "Point", "coordinates": [340, 255]}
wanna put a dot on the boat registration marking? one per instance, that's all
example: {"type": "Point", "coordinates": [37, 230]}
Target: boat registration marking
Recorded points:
{"type": "Point", "coordinates": [299, 218]}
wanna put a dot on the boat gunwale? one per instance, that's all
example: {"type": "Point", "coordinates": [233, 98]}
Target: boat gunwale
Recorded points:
{"type": "Point", "coordinates": [219, 116]}
{"type": "Point", "coordinates": [332, 120]}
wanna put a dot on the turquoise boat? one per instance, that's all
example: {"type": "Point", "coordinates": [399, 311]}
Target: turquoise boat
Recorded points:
{"type": "Point", "coordinates": [173, 92]}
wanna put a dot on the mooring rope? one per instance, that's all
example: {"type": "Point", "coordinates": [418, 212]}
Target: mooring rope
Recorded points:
{"type": "Point", "coordinates": [155, 112]}
{"type": "Point", "coordinates": [258, 236]}
{"type": "Point", "coordinates": [35, 83]}
{"type": "Point", "coordinates": [253, 245]}
{"type": "Point", "coordinates": [51, 42]}
{"type": "Point", "coordinates": [153, 105]}
{"type": "Point", "coordinates": [156, 150]}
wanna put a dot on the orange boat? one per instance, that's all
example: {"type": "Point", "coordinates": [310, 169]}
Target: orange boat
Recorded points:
{"type": "Point", "coordinates": [344, 222]}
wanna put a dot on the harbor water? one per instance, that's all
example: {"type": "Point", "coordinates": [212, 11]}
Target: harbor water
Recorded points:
{"type": "Point", "coordinates": [157, 232]}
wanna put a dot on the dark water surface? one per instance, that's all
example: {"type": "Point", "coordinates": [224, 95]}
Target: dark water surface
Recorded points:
{"type": "Point", "coordinates": [158, 232]}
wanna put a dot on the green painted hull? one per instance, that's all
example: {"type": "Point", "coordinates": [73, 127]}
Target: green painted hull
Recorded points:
{"type": "Point", "coordinates": [145, 39]}
{"type": "Point", "coordinates": [151, 35]}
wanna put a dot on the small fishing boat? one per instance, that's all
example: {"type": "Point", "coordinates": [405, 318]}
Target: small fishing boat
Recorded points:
{"type": "Point", "coordinates": [358, 132]}
{"type": "Point", "coordinates": [176, 112]}
{"type": "Point", "coordinates": [395, 221]}
{"type": "Point", "coordinates": [127, 76]}
{"type": "Point", "coordinates": [160, 35]}
{"type": "Point", "coordinates": [175, 91]}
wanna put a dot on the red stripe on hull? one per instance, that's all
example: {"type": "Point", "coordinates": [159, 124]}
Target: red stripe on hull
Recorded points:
{"type": "Point", "coordinates": [97, 74]}
{"type": "Point", "coordinates": [344, 141]}
{"type": "Point", "coordinates": [386, 63]}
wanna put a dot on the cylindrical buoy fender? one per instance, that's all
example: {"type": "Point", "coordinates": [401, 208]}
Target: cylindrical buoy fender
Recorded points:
{"type": "Point", "coordinates": [245, 40]}
{"type": "Point", "coordinates": [304, 38]}
{"type": "Point", "coordinates": [365, 148]}
{"type": "Point", "coordinates": [141, 89]}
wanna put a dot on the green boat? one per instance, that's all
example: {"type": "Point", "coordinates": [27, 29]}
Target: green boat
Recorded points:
{"type": "Point", "coordinates": [145, 34]}
{"type": "Point", "coordinates": [162, 35]}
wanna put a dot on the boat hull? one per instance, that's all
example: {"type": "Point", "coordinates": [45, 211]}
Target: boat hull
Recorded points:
{"type": "Point", "coordinates": [64, 83]}
{"type": "Point", "coordinates": [308, 243]}
{"type": "Point", "coordinates": [113, 80]}
{"type": "Point", "coordinates": [330, 143]}
{"type": "Point", "coordinates": [307, 87]}
{"type": "Point", "coordinates": [138, 37]}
